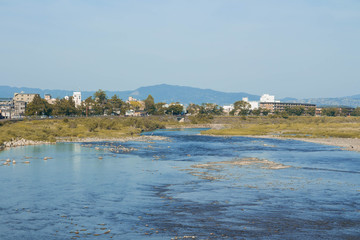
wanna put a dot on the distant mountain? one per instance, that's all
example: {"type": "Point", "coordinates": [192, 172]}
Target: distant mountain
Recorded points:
{"type": "Point", "coordinates": [172, 93]}
{"type": "Point", "coordinates": [288, 99]}
{"type": "Point", "coordinates": [161, 93]}
{"type": "Point", "coordinates": [351, 101]}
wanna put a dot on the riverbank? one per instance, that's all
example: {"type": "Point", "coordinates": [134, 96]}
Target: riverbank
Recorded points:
{"type": "Point", "coordinates": [35, 132]}
{"type": "Point", "coordinates": [348, 144]}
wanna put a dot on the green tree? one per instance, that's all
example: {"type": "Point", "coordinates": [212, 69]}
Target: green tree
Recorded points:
{"type": "Point", "coordinates": [100, 96]}
{"type": "Point", "coordinates": [38, 106]}
{"type": "Point", "coordinates": [295, 110]}
{"type": "Point", "coordinates": [114, 105]}
{"type": "Point", "coordinates": [160, 108]}
{"type": "Point", "coordinates": [150, 105]}
{"type": "Point", "coordinates": [100, 106]}
{"type": "Point", "coordinates": [330, 111]}
{"type": "Point", "coordinates": [87, 106]}
{"type": "Point", "coordinates": [256, 112]}
{"type": "Point", "coordinates": [135, 105]}
{"type": "Point", "coordinates": [356, 112]}
{"type": "Point", "coordinates": [210, 109]}
{"type": "Point", "coordinates": [264, 111]}
{"type": "Point", "coordinates": [241, 108]}
{"type": "Point", "coordinates": [310, 111]}
{"type": "Point", "coordinates": [63, 107]}
{"type": "Point", "coordinates": [193, 109]}
{"type": "Point", "coordinates": [175, 109]}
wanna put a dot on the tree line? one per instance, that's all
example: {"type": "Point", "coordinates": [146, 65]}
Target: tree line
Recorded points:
{"type": "Point", "coordinates": [100, 104]}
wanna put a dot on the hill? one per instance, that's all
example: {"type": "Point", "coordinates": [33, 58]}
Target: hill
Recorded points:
{"type": "Point", "coordinates": [173, 93]}
{"type": "Point", "coordinates": [161, 93]}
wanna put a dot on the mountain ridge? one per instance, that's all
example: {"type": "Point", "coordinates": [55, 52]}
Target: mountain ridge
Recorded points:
{"type": "Point", "coordinates": [183, 94]}
{"type": "Point", "coordinates": [161, 93]}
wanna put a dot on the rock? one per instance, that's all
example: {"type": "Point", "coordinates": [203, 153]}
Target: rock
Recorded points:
{"type": "Point", "coordinates": [27, 162]}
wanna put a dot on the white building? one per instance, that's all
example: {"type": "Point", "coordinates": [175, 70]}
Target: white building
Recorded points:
{"type": "Point", "coordinates": [228, 108]}
{"type": "Point", "coordinates": [253, 104]}
{"type": "Point", "coordinates": [77, 98]}
{"type": "Point", "coordinates": [268, 98]}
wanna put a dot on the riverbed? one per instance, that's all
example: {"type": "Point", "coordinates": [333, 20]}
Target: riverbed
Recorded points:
{"type": "Point", "coordinates": [187, 186]}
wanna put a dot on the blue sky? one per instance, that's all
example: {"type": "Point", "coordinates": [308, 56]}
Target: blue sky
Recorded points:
{"type": "Point", "coordinates": [300, 48]}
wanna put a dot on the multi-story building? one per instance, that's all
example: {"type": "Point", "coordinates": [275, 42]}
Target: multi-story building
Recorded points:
{"type": "Point", "coordinates": [77, 98]}
{"type": "Point", "coordinates": [6, 106]}
{"type": "Point", "coordinates": [24, 97]}
{"type": "Point", "coordinates": [20, 100]}
{"type": "Point", "coordinates": [280, 107]}
{"type": "Point", "coordinates": [19, 109]}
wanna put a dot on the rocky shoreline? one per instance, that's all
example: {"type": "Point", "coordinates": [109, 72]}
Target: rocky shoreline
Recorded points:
{"type": "Point", "coordinates": [123, 139]}
{"type": "Point", "coordinates": [21, 142]}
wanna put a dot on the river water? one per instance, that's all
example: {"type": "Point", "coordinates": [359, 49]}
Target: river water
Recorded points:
{"type": "Point", "coordinates": [187, 186]}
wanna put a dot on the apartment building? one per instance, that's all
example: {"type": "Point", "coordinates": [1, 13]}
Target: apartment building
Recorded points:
{"type": "Point", "coordinates": [280, 106]}
{"type": "Point", "coordinates": [24, 97]}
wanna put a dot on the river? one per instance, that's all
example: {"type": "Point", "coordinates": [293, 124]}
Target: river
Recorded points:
{"type": "Point", "coordinates": [189, 186]}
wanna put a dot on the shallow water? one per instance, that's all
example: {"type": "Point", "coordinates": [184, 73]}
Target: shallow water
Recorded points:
{"type": "Point", "coordinates": [156, 192]}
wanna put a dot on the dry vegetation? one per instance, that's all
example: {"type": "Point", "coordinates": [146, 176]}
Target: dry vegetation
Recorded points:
{"type": "Point", "coordinates": [304, 127]}
{"type": "Point", "coordinates": [52, 129]}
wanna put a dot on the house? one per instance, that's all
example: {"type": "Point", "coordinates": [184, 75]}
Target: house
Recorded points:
{"type": "Point", "coordinates": [48, 98]}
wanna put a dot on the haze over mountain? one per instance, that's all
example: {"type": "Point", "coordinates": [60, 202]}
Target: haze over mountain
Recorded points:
{"type": "Point", "coordinates": [173, 93]}
{"type": "Point", "coordinates": [161, 93]}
